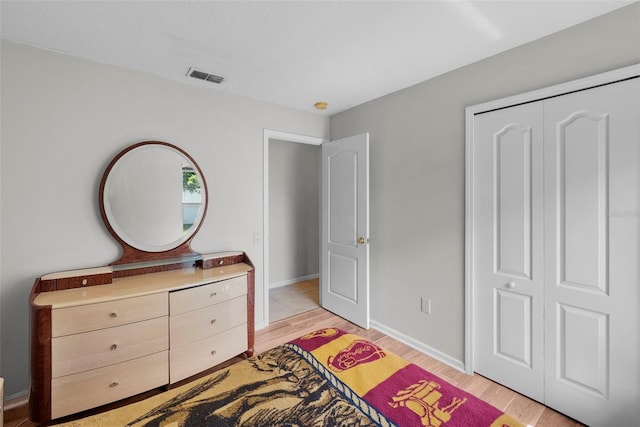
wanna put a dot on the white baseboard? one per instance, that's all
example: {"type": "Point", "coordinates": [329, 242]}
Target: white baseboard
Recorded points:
{"type": "Point", "coordinates": [292, 281]}
{"type": "Point", "coordinates": [261, 325]}
{"type": "Point", "coordinates": [16, 399]}
{"type": "Point", "coordinates": [420, 346]}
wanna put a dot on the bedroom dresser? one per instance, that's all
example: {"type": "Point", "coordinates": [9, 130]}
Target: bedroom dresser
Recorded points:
{"type": "Point", "coordinates": [160, 314]}
{"type": "Point", "coordinates": [104, 334]}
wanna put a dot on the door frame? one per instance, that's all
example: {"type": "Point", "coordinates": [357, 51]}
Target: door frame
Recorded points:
{"type": "Point", "coordinates": [629, 72]}
{"type": "Point", "coordinates": [269, 134]}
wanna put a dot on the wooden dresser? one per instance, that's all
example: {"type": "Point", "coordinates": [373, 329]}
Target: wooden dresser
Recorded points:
{"type": "Point", "coordinates": [1, 401]}
{"type": "Point", "coordinates": [101, 335]}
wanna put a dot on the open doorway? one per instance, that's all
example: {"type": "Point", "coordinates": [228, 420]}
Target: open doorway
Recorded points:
{"type": "Point", "coordinates": [292, 224]}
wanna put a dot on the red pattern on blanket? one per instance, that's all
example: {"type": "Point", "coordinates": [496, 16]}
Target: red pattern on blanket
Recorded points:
{"type": "Point", "coordinates": [397, 391]}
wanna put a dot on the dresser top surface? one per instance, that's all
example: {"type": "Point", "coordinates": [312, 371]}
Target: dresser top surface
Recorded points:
{"type": "Point", "coordinates": [144, 284]}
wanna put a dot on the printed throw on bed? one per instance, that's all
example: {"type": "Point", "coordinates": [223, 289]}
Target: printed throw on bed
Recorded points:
{"type": "Point", "coordinates": [324, 379]}
{"type": "Point", "coordinates": [389, 389]}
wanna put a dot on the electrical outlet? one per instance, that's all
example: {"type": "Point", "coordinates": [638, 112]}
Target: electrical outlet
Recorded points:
{"type": "Point", "coordinates": [425, 305]}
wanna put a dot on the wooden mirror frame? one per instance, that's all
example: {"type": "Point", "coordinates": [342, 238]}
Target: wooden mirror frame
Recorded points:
{"type": "Point", "coordinates": [132, 254]}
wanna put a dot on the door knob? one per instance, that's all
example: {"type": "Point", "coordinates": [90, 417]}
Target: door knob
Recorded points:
{"type": "Point", "coordinates": [361, 241]}
{"type": "Point", "coordinates": [510, 285]}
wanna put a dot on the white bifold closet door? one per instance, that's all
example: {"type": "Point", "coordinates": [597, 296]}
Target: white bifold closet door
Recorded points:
{"type": "Point", "coordinates": [557, 251]}
{"type": "Point", "coordinates": [508, 224]}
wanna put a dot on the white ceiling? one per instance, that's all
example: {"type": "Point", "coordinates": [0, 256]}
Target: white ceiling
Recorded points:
{"type": "Point", "coordinates": [293, 53]}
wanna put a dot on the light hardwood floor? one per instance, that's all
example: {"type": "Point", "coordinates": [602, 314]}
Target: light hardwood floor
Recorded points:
{"type": "Point", "coordinates": [525, 410]}
{"type": "Point", "coordinates": [522, 408]}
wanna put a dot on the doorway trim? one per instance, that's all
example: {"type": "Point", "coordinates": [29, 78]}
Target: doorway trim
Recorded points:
{"type": "Point", "coordinates": [269, 134]}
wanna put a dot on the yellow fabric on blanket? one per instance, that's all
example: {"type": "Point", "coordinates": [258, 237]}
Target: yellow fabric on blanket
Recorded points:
{"type": "Point", "coordinates": [365, 376]}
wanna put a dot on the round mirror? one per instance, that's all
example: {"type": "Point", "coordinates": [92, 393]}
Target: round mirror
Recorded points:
{"type": "Point", "coordinates": [153, 198]}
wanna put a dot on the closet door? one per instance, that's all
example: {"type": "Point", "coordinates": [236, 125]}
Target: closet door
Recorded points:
{"type": "Point", "coordinates": [508, 247]}
{"type": "Point", "coordinates": [592, 235]}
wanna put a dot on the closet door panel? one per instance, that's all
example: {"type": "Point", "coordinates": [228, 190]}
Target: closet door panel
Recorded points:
{"type": "Point", "coordinates": [508, 276]}
{"type": "Point", "coordinates": [581, 153]}
{"type": "Point", "coordinates": [592, 229]}
{"type": "Point", "coordinates": [512, 200]}
{"type": "Point", "coordinates": [584, 350]}
{"type": "Point", "coordinates": [513, 327]}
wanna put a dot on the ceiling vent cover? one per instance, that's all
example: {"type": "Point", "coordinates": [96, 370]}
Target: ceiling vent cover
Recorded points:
{"type": "Point", "coordinates": [202, 75]}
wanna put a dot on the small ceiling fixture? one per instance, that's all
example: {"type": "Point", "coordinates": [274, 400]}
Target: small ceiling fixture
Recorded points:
{"type": "Point", "coordinates": [320, 105]}
{"type": "Point", "coordinates": [202, 75]}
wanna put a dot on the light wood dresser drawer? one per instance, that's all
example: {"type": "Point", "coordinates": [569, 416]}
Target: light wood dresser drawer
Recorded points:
{"type": "Point", "coordinates": [94, 345]}
{"type": "Point", "coordinates": [75, 393]}
{"type": "Point", "coordinates": [195, 325]}
{"type": "Point", "coordinates": [206, 295]}
{"type": "Point", "coordinates": [204, 354]}
{"type": "Point", "coordinates": [84, 318]}
{"type": "Point", "coordinates": [90, 350]}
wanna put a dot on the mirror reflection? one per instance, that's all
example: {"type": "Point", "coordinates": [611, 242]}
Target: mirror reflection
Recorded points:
{"type": "Point", "coordinates": [191, 197]}
{"type": "Point", "coordinates": [153, 197]}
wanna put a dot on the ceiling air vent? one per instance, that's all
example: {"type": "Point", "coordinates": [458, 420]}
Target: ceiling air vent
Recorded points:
{"type": "Point", "coordinates": [197, 74]}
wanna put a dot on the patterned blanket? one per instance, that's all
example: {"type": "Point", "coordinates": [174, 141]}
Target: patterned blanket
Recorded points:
{"type": "Point", "coordinates": [326, 378]}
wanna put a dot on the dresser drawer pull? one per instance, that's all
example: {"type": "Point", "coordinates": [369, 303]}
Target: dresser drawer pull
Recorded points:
{"type": "Point", "coordinates": [213, 352]}
{"type": "Point", "coordinates": [114, 347]}
{"type": "Point", "coordinates": [113, 384]}
{"type": "Point", "coordinates": [213, 294]}
{"type": "Point", "coordinates": [213, 321]}
{"type": "Point", "coordinates": [113, 315]}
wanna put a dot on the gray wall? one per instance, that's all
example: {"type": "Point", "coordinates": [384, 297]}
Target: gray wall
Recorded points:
{"type": "Point", "coordinates": [63, 119]}
{"type": "Point", "coordinates": [294, 210]}
{"type": "Point", "coordinates": [417, 168]}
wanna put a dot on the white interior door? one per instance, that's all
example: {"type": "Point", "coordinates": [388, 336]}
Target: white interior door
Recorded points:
{"type": "Point", "coordinates": [344, 279]}
{"type": "Point", "coordinates": [556, 250]}
{"type": "Point", "coordinates": [508, 280]}
{"type": "Point", "coordinates": [592, 222]}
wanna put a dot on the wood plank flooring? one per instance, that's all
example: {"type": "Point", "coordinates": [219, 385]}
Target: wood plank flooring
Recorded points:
{"type": "Point", "coordinates": [520, 407]}
{"type": "Point", "coordinates": [527, 411]}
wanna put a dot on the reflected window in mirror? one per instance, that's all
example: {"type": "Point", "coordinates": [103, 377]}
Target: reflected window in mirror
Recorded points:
{"type": "Point", "coordinates": [191, 197]}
